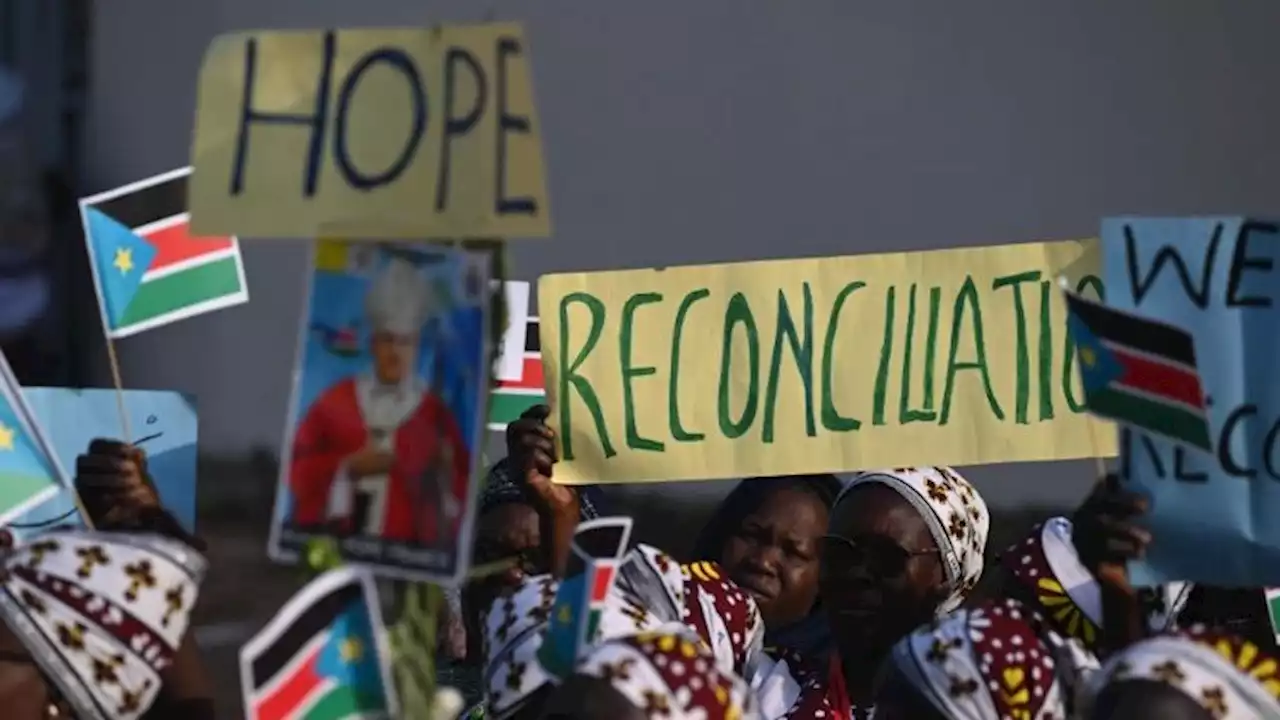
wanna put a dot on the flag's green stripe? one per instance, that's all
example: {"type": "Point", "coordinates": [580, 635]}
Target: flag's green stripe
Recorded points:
{"type": "Point", "coordinates": [19, 487]}
{"type": "Point", "coordinates": [1273, 607]}
{"type": "Point", "coordinates": [183, 289]}
{"type": "Point", "coordinates": [345, 701]}
{"type": "Point", "coordinates": [505, 408]}
{"type": "Point", "coordinates": [1150, 414]}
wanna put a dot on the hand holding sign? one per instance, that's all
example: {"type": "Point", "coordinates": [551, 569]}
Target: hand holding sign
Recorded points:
{"type": "Point", "coordinates": [1213, 503]}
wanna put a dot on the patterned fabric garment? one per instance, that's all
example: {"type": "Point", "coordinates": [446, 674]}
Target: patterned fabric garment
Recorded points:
{"type": "Point", "coordinates": [724, 616]}
{"type": "Point", "coordinates": [102, 614]}
{"type": "Point", "coordinates": [955, 513]}
{"type": "Point", "coordinates": [794, 688]}
{"type": "Point", "coordinates": [1231, 678]}
{"type": "Point", "coordinates": [998, 660]}
{"type": "Point", "coordinates": [653, 593]}
{"type": "Point", "coordinates": [1050, 573]}
{"type": "Point", "coordinates": [671, 675]}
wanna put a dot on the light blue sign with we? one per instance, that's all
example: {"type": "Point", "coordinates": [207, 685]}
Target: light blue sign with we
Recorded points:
{"type": "Point", "coordinates": [1213, 513]}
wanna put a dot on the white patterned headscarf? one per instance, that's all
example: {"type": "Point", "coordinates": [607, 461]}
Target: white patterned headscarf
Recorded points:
{"type": "Point", "coordinates": [1050, 571]}
{"type": "Point", "coordinates": [998, 660]}
{"type": "Point", "coordinates": [671, 675]}
{"type": "Point", "coordinates": [653, 593]}
{"type": "Point", "coordinates": [103, 614]}
{"type": "Point", "coordinates": [1230, 677]}
{"type": "Point", "coordinates": [955, 514]}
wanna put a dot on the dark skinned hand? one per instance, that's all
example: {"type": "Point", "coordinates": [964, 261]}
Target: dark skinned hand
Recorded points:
{"type": "Point", "coordinates": [112, 481]}
{"type": "Point", "coordinates": [1106, 529]}
{"type": "Point", "coordinates": [118, 494]}
{"type": "Point", "coordinates": [531, 449]}
{"type": "Point", "coordinates": [1106, 535]}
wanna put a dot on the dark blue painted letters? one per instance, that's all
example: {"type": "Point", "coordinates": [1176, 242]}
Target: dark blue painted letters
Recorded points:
{"type": "Point", "coordinates": [454, 125]}
{"type": "Point", "coordinates": [507, 123]}
{"type": "Point", "coordinates": [316, 121]}
{"type": "Point", "coordinates": [398, 60]}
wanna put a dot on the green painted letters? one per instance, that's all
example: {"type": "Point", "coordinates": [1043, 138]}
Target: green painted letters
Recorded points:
{"type": "Point", "coordinates": [678, 431]}
{"type": "Point", "coordinates": [886, 355]}
{"type": "Point", "coordinates": [1022, 395]}
{"type": "Point", "coordinates": [569, 374]}
{"type": "Point", "coordinates": [802, 351]}
{"type": "Point", "coordinates": [739, 312]}
{"type": "Point", "coordinates": [629, 371]}
{"type": "Point", "coordinates": [831, 418]}
{"type": "Point", "coordinates": [968, 302]}
{"type": "Point", "coordinates": [926, 414]}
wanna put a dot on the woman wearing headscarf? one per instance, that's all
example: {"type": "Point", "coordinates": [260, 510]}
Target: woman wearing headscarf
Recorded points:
{"type": "Point", "coordinates": [651, 675]}
{"type": "Point", "coordinates": [903, 547]}
{"type": "Point", "coordinates": [1201, 674]}
{"type": "Point", "coordinates": [518, 504]}
{"type": "Point", "coordinates": [992, 662]}
{"type": "Point", "coordinates": [1058, 565]}
{"type": "Point", "coordinates": [1046, 571]}
{"type": "Point", "coordinates": [766, 535]}
{"type": "Point", "coordinates": [93, 626]}
{"type": "Point", "coordinates": [116, 491]}
{"type": "Point", "coordinates": [652, 594]}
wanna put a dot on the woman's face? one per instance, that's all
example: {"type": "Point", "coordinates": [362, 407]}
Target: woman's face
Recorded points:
{"type": "Point", "coordinates": [773, 554]}
{"type": "Point", "coordinates": [881, 573]}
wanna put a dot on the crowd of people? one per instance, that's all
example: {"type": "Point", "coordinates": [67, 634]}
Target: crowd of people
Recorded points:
{"type": "Point", "coordinates": [816, 597]}
{"type": "Point", "coordinates": [806, 597]}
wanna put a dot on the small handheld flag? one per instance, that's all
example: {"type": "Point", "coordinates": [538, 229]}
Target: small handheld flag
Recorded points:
{"type": "Point", "coordinates": [1139, 372]}
{"type": "Point", "coordinates": [323, 657]}
{"type": "Point", "coordinates": [29, 471]}
{"type": "Point", "coordinates": [598, 549]}
{"type": "Point", "coordinates": [148, 270]}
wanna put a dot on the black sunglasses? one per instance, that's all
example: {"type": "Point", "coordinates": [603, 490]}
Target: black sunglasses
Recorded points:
{"type": "Point", "coordinates": [876, 554]}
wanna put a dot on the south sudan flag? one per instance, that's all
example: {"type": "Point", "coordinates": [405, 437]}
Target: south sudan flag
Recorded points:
{"type": "Point", "coordinates": [1139, 372]}
{"type": "Point", "coordinates": [320, 658]}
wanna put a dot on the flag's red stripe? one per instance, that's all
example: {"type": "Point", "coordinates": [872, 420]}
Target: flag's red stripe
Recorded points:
{"type": "Point", "coordinates": [1160, 379]}
{"type": "Point", "coordinates": [600, 582]}
{"type": "Point", "coordinates": [174, 245]}
{"type": "Point", "coordinates": [283, 703]}
{"type": "Point", "coordinates": [530, 378]}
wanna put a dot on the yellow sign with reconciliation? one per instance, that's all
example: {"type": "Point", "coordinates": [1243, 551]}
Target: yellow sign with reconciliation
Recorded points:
{"type": "Point", "coordinates": [950, 357]}
{"type": "Point", "coordinates": [429, 133]}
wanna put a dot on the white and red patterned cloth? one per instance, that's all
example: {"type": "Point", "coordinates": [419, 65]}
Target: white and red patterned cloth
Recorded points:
{"type": "Point", "coordinates": [996, 661]}
{"type": "Point", "coordinates": [653, 593]}
{"type": "Point", "coordinates": [671, 675]}
{"type": "Point", "coordinates": [1230, 677]}
{"type": "Point", "coordinates": [1048, 569]}
{"type": "Point", "coordinates": [955, 513]}
{"type": "Point", "coordinates": [103, 614]}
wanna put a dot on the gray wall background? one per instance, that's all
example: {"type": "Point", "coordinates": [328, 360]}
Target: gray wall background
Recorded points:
{"type": "Point", "coordinates": [689, 132]}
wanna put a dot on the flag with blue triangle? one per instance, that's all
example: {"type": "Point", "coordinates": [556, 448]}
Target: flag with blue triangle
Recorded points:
{"type": "Point", "coordinates": [598, 548]}
{"type": "Point", "coordinates": [29, 471]}
{"type": "Point", "coordinates": [1139, 372]}
{"type": "Point", "coordinates": [148, 269]}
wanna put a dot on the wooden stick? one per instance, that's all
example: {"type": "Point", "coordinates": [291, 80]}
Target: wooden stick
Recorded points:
{"type": "Point", "coordinates": [116, 378]}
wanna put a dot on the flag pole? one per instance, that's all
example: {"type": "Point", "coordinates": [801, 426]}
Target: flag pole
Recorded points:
{"type": "Point", "coordinates": [114, 360]}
